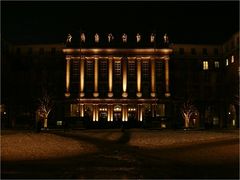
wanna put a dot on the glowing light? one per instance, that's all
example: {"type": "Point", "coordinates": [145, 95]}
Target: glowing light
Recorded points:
{"type": "Point", "coordinates": [205, 65]}
{"type": "Point", "coordinates": [138, 37]}
{"type": "Point", "coordinates": [83, 38]}
{"type": "Point", "coordinates": [110, 37]}
{"type": "Point", "coordinates": [232, 59]}
{"type": "Point", "coordinates": [69, 38]}
{"type": "Point", "coordinates": [226, 62]}
{"type": "Point", "coordinates": [124, 38]}
{"type": "Point", "coordinates": [152, 37]}
{"type": "Point", "coordinates": [97, 38]}
{"type": "Point", "coordinates": [233, 122]}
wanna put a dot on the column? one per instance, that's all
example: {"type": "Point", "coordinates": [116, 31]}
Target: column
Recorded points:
{"type": "Point", "coordinates": [124, 78]}
{"type": "Point", "coordinates": [95, 112]}
{"type": "Point", "coordinates": [67, 94]}
{"type": "Point", "coordinates": [95, 94]}
{"type": "Point", "coordinates": [139, 71]}
{"type": "Point", "coordinates": [110, 112]}
{"type": "Point", "coordinates": [153, 78]}
{"type": "Point", "coordinates": [140, 115]}
{"type": "Point", "coordinates": [81, 110]}
{"type": "Point", "coordinates": [167, 92]}
{"type": "Point", "coordinates": [110, 77]}
{"type": "Point", "coordinates": [81, 78]}
{"type": "Point", "coordinates": [124, 112]}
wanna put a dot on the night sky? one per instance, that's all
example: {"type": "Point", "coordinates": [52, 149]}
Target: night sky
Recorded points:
{"type": "Point", "coordinates": [185, 22]}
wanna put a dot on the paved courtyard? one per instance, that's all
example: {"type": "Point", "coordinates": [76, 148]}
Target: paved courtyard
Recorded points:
{"type": "Point", "coordinates": [133, 153]}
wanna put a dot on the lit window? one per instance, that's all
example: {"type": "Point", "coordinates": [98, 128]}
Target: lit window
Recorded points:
{"type": "Point", "coordinates": [205, 65]}
{"type": "Point", "coordinates": [232, 59]}
{"type": "Point", "coordinates": [216, 64]}
{"type": "Point", "coordinates": [226, 62]}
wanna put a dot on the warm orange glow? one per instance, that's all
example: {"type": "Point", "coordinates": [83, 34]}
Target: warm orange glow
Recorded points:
{"type": "Point", "coordinates": [110, 76]}
{"type": "Point", "coordinates": [124, 81]}
{"type": "Point", "coordinates": [67, 94]}
{"type": "Point", "coordinates": [153, 85]}
{"type": "Point", "coordinates": [96, 94]}
{"type": "Point", "coordinates": [167, 93]}
{"type": "Point", "coordinates": [82, 78]}
{"type": "Point", "coordinates": [81, 110]}
{"type": "Point", "coordinates": [139, 94]}
{"type": "Point", "coordinates": [124, 112]}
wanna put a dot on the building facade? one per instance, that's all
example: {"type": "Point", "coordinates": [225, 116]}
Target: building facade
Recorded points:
{"type": "Point", "coordinates": [107, 80]}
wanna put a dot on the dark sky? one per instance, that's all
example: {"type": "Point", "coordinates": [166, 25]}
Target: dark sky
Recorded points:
{"type": "Point", "coordinates": [185, 22]}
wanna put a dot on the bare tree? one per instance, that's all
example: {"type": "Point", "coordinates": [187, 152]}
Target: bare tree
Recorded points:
{"type": "Point", "coordinates": [188, 111]}
{"type": "Point", "coordinates": [45, 107]}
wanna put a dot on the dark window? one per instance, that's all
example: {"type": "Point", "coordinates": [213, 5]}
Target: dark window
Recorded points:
{"type": "Point", "coordinates": [89, 72]}
{"type": "Point", "coordinates": [205, 51]}
{"type": "Point", "coordinates": [53, 51]}
{"type": "Point", "coordinates": [29, 51]}
{"type": "Point", "coordinates": [131, 70]}
{"type": "Point", "coordinates": [226, 48]}
{"type": "Point", "coordinates": [103, 69]}
{"type": "Point", "coordinates": [193, 51]}
{"type": "Point", "coordinates": [18, 51]}
{"type": "Point", "coordinates": [215, 51]}
{"type": "Point", "coordinates": [145, 70]}
{"type": "Point", "coordinates": [117, 70]}
{"type": "Point", "coordinates": [41, 51]}
{"type": "Point", "coordinates": [181, 51]}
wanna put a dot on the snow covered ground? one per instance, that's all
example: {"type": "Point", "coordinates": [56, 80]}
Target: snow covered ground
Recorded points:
{"type": "Point", "coordinates": [26, 145]}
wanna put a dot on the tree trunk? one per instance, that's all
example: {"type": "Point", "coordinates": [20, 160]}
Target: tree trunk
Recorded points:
{"type": "Point", "coordinates": [45, 122]}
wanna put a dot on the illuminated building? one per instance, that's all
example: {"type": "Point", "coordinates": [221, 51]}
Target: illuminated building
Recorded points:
{"type": "Point", "coordinates": [109, 79]}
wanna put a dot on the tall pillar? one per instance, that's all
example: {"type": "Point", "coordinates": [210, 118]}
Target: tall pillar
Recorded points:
{"type": "Point", "coordinates": [95, 94]}
{"type": "Point", "coordinates": [167, 92]}
{"type": "Point", "coordinates": [124, 112]}
{"type": "Point", "coordinates": [110, 112]}
{"type": "Point", "coordinates": [67, 94]}
{"type": "Point", "coordinates": [95, 112]}
{"type": "Point", "coordinates": [81, 78]}
{"type": "Point", "coordinates": [139, 71]}
{"type": "Point", "coordinates": [124, 78]}
{"type": "Point", "coordinates": [153, 78]}
{"type": "Point", "coordinates": [81, 110]}
{"type": "Point", "coordinates": [140, 115]}
{"type": "Point", "coordinates": [110, 77]}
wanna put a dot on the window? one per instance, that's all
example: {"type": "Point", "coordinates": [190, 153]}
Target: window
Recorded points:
{"type": "Point", "coordinates": [181, 51]}
{"type": "Point", "coordinates": [205, 65]}
{"type": "Point", "coordinates": [74, 110]}
{"type": "Point", "coordinates": [232, 59]}
{"type": "Point", "coordinates": [193, 51]}
{"type": "Point", "coordinates": [103, 69]}
{"type": "Point", "coordinates": [89, 70]}
{"type": "Point", "coordinates": [117, 70]}
{"type": "Point", "coordinates": [18, 51]}
{"type": "Point", "coordinates": [41, 51]}
{"type": "Point", "coordinates": [53, 51]}
{"type": "Point", "coordinates": [29, 51]}
{"type": "Point", "coordinates": [216, 64]}
{"type": "Point", "coordinates": [131, 70]}
{"type": "Point", "coordinates": [145, 70]}
{"type": "Point", "coordinates": [204, 50]}
{"type": "Point", "coordinates": [215, 51]}
{"type": "Point", "coordinates": [226, 62]}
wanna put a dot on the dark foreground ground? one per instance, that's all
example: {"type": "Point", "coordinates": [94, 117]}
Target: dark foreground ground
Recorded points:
{"type": "Point", "coordinates": [137, 154]}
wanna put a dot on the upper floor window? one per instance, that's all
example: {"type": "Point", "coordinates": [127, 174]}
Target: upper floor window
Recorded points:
{"type": "Point", "coordinates": [29, 51]}
{"type": "Point", "coordinates": [18, 51]}
{"type": "Point", "coordinates": [145, 70]}
{"type": "Point", "coordinates": [226, 62]}
{"type": "Point", "coordinates": [204, 51]}
{"type": "Point", "coordinates": [103, 69]}
{"type": "Point", "coordinates": [41, 51]}
{"type": "Point", "coordinates": [53, 51]}
{"type": "Point", "coordinates": [117, 69]}
{"type": "Point", "coordinates": [215, 51]}
{"type": "Point", "coordinates": [193, 51]}
{"type": "Point", "coordinates": [89, 69]}
{"type": "Point", "coordinates": [205, 65]}
{"type": "Point", "coordinates": [131, 69]}
{"type": "Point", "coordinates": [232, 59]}
{"type": "Point", "coordinates": [216, 64]}
{"type": "Point", "coordinates": [181, 51]}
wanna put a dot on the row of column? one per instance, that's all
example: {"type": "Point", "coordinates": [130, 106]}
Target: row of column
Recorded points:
{"type": "Point", "coordinates": [124, 77]}
{"type": "Point", "coordinates": [110, 111]}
